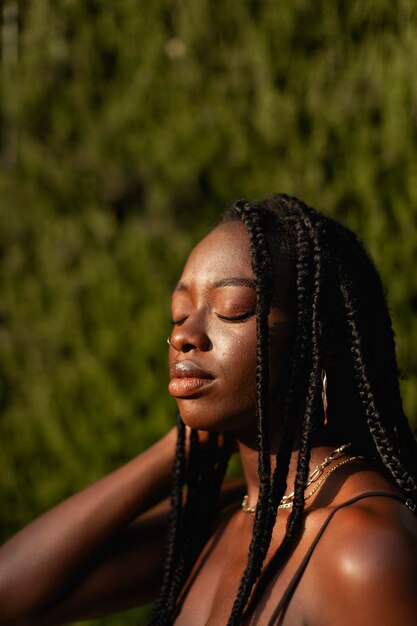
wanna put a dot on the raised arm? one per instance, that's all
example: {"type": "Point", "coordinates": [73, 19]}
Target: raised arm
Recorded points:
{"type": "Point", "coordinates": [98, 551]}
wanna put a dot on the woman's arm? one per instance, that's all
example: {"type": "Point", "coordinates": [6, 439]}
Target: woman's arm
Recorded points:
{"type": "Point", "coordinates": [85, 556]}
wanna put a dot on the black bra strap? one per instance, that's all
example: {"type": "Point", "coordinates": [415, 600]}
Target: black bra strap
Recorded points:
{"type": "Point", "coordinates": [300, 570]}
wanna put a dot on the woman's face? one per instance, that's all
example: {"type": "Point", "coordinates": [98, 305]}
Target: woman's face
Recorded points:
{"type": "Point", "coordinates": [213, 343]}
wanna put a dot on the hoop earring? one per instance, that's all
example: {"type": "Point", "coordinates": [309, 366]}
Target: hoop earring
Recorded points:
{"type": "Point", "coordinates": [324, 394]}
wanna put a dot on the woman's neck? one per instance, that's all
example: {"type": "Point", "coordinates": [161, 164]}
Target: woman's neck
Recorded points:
{"type": "Point", "coordinates": [249, 459]}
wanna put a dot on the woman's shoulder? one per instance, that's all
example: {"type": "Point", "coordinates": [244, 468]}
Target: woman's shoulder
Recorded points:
{"type": "Point", "coordinates": [374, 530]}
{"type": "Point", "coordinates": [369, 561]}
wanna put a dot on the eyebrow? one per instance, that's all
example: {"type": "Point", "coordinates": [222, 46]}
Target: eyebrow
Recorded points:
{"type": "Point", "coordinates": [223, 282]}
{"type": "Point", "coordinates": [235, 282]}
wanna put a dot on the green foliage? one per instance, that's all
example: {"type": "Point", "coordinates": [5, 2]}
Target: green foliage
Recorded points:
{"type": "Point", "coordinates": [126, 127]}
{"type": "Point", "coordinates": [85, 317]}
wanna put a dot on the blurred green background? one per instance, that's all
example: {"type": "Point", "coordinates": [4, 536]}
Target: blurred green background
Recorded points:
{"type": "Point", "coordinates": [125, 128]}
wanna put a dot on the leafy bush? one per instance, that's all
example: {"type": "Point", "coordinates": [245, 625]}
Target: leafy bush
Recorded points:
{"type": "Point", "coordinates": [126, 127]}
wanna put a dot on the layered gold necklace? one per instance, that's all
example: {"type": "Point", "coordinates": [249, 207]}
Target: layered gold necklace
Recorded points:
{"type": "Point", "coordinates": [318, 476]}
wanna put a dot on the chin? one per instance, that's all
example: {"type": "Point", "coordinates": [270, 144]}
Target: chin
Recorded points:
{"type": "Point", "coordinates": [200, 417]}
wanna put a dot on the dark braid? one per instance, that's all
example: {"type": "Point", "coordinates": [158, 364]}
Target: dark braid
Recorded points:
{"type": "Point", "coordinates": [279, 483]}
{"type": "Point", "coordinates": [308, 243]}
{"type": "Point", "coordinates": [261, 268]}
{"type": "Point", "coordinates": [190, 524]}
{"type": "Point", "coordinates": [339, 298]}
{"type": "Point", "coordinates": [389, 427]}
{"type": "Point", "coordinates": [174, 532]}
{"type": "Point", "coordinates": [380, 432]}
{"type": "Point", "coordinates": [290, 414]}
{"type": "Point", "coordinates": [311, 411]}
{"type": "Point", "coordinates": [193, 484]}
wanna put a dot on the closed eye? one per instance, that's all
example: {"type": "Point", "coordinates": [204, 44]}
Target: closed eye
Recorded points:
{"type": "Point", "coordinates": [237, 318]}
{"type": "Point", "coordinates": [178, 322]}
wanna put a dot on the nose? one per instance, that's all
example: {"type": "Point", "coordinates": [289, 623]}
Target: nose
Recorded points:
{"type": "Point", "coordinates": [187, 337]}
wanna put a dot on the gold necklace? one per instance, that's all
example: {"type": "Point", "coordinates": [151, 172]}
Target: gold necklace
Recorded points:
{"type": "Point", "coordinates": [288, 500]}
{"type": "Point", "coordinates": [288, 504]}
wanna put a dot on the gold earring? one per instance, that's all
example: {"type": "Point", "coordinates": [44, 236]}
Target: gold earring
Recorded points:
{"type": "Point", "coordinates": [324, 394]}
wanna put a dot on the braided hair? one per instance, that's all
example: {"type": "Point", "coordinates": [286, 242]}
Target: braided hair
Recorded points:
{"type": "Point", "coordinates": [339, 301]}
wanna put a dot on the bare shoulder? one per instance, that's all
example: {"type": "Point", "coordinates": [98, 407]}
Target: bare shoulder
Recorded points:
{"type": "Point", "coordinates": [376, 535]}
{"type": "Point", "coordinates": [370, 553]}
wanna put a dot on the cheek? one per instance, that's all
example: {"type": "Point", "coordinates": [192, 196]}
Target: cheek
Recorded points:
{"type": "Point", "coordinates": [230, 404]}
{"type": "Point", "coordinates": [236, 353]}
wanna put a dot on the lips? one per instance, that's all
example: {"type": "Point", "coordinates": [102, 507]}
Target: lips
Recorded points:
{"type": "Point", "coordinates": [187, 379]}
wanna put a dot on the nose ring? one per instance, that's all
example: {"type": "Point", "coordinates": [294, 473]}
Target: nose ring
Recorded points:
{"type": "Point", "coordinates": [169, 341]}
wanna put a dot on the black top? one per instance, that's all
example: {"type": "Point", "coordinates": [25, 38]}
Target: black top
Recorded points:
{"type": "Point", "coordinates": [286, 597]}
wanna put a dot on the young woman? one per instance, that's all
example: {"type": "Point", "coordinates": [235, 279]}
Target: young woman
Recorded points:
{"type": "Point", "coordinates": [281, 348]}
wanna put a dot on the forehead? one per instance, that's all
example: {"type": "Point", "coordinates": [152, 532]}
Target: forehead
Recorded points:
{"type": "Point", "coordinates": [224, 252]}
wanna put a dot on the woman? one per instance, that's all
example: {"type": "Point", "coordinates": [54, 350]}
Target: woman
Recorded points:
{"type": "Point", "coordinates": [282, 347]}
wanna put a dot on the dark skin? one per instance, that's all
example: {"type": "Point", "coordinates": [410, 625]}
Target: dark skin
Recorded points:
{"type": "Point", "coordinates": [102, 550]}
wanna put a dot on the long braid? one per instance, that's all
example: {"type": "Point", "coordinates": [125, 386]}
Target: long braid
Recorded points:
{"type": "Point", "coordinates": [262, 276]}
{"type": "Point", "coordinates": [261, 267]}
{"type": "Point", "coordinates": [380, 432]}
{"type": "Point", "coordinates": [160, 614]}
{"type": "Point", "coordinates": [311, 412]}
{"type": "Point", "coordinates": [295, 383]}
{"type": "Point", "coordinates": [289, 424]}
{"type": "Point", "coordinates": [404, 435]}
{"type": "Point", "coordinates": [385, 388]}
{"type": "Point", "coordinates": [206, 472]}
{"type": "Point", "coordinates": [313, 395]}
{"type": "Point", "coordinates": [193, 485]}
{"type": "Point", "coordinates": [209, 464]}
{"type": "Point", "coordinates": [190, 523]}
